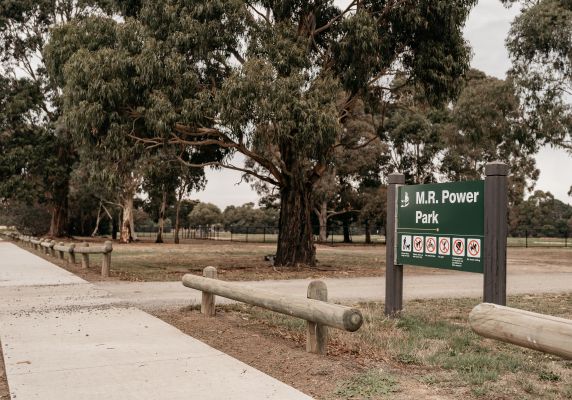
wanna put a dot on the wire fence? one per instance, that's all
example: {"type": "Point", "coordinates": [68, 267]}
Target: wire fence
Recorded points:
{"type": "Point", "coordinates": [334, 234]}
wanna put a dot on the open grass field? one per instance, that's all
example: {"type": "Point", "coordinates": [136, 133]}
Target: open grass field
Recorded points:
{"type": "Point", "coordinates": [429, 353]}
{"type": "Point", "coordinates": [147, 261]}
{"type": "Point", "coordinates": [338, 238]}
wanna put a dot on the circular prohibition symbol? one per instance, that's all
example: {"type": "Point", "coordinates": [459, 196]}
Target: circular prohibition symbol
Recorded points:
{"type": "Point", "coordinates": [473, 247]}
{"type": "Point", "coordinates": [458, 247]}
{"type": "Point", "coordinates": [444, 245]}
{"type": "Point", "coordinates": [418, 244]}
{"type": "Point", "coordinates": [430, 244]}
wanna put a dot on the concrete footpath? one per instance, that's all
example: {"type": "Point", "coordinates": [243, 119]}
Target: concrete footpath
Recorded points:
{"type": "Point", "coordinates": [153, 295]}
{"type": "Point", "coordinates": [66, 339]}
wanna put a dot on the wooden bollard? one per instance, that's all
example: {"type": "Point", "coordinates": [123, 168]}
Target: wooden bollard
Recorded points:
{"type": "Point", "coordinates": [71, 257]}
{"type": "Point", "coordinates": [85, 257]}
{"type": "Point", "coordinates": [106, 263]}
{"type": "Point", "coordinates": [61, 252]}
{"type": "Point", "coordinates": [317, 334]}
{"type": "Point", "coordinates": [46, 248]}
{"type": "Point", "coordinates": [52, 250]}
{"type": "Point", "coordinates": [208, 299]}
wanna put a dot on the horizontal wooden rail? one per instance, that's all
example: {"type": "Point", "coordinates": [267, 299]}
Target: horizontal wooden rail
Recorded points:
{"type": "Point", "coordinates": [317, 313]}
{"type": "Point", "coordinates": [60, 249]}
{"type": "Point", "coordinates": [524, 328]}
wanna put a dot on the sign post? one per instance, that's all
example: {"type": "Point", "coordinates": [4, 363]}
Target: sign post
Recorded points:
{"type": "Point", "coordinates": [495, 233]}
{"type": "Point", "coordinates": [393, 271]}
{"type": "Point", "coordinates": [460, 226]}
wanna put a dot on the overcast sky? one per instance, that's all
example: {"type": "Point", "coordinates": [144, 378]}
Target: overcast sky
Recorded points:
{"type": "Point", "coordinates": [486, 31]}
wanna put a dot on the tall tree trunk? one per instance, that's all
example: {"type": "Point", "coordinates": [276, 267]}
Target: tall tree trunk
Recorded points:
{"type": "Point", "coordinates": [295, 239]}
{"type": "Point", "coordinates": [125, 235]}
{"type": "Point", "coordinates": [114, 227]}
{"type": "Point", "coordinates": [322, 215]}
{"type": "Point", "coordinates": [132, 222]}
{"type": "Point", "coordinates": [367, 232]}
{"type": "Point", "coordinates": [346, 227]}
{"type": "Point", "coordinates": [177, 218]}
{"type": "Point", "coordinates": [162, 208]}
{"type": "Point", "coordinates": [59, 218]}
{"type": "Point", "coordinates": [96, 221]}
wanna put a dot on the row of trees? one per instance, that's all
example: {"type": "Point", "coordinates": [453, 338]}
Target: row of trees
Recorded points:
{"type": "Point", "coordinates": [107, 98]}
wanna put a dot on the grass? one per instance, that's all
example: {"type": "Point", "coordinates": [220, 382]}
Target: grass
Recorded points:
{"type": "Point", "coordinates": [432, 344]}
{"type": "Point", "coordinates": [144, 261]}
{"type": "Point", "coordinates": [368, 385]}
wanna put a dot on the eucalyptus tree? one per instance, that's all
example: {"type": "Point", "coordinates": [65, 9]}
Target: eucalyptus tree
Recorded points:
{"type": "Point", "coordinates": [24, 30]}
{"type": "Point", "coordinates": [264, 78]}
{"type": "Point", "coordinates": [540, 48]}
{"type": "Point", "coordinates": [487, 123]}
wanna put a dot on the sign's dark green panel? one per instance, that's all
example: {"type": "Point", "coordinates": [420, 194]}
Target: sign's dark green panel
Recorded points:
{"type": "Point", "coordinates": [441, 225]}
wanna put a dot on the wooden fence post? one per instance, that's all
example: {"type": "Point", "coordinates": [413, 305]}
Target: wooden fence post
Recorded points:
{"type": "Point", "coordinates": [317, 334]}
{"type": "Point", "coordinates": [106, 263]}
{"type": "Point", "coordinates": [208, 299]}
{"type": "Point", "coordinates": [61, 252]}
{"type": "Point", "coordinates": [71, 258]}
{"type": "Point", "coordinates": [393, 272]}
{"type": "Point", "coordinates": [85, 257]}
{"type": "Point", "coordinates": [52, 250]}
{"type": "Point", "coordinates": [494, 249]}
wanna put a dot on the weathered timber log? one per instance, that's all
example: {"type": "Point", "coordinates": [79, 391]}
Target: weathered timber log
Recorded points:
{"type": "Point", "coordinates": [334, 315]}
{"type": "Point", "coordinates": [524, 328]}
{"type": "Point", "coordinates": [63, 247]}
{"type": "Point", "coordinates": [84, 248]}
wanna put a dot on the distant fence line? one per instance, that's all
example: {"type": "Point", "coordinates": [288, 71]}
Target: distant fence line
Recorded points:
{"type": "Point", "coordinates": [335, 234]}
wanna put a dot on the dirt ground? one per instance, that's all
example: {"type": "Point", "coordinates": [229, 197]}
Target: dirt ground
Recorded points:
{"type": "Point", "coordinates": [144, 261]}
{"type": "Point", "coordinates": [280, 354]}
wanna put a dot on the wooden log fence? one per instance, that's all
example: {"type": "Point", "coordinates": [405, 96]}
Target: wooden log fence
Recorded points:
{"type": "Point", "coordinates": [523, 328]}
{"type": "Point", "coordinates": [318, 313]}
{"type": "Point", "coordinates": [59, 250]}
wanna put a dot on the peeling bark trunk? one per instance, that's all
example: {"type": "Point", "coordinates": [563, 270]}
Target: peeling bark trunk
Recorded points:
{"type": "Point", "coordinates": [98, 220]}
{"type": "Point", "coordinates": [322, 215]}
{"type": "Point", "coordinates": [162, 209]}
{"type": "Point", "coordinates": [125, 235]}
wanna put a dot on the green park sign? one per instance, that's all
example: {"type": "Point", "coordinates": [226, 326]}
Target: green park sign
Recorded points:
{"type": "Point", "coordinates": [441, 225]}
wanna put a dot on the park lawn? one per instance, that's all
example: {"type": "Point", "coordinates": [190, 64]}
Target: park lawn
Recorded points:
{"type": "Point", "coordinates": [430, 352]}
{"type": "Point", "coordinates": [147, 261]}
